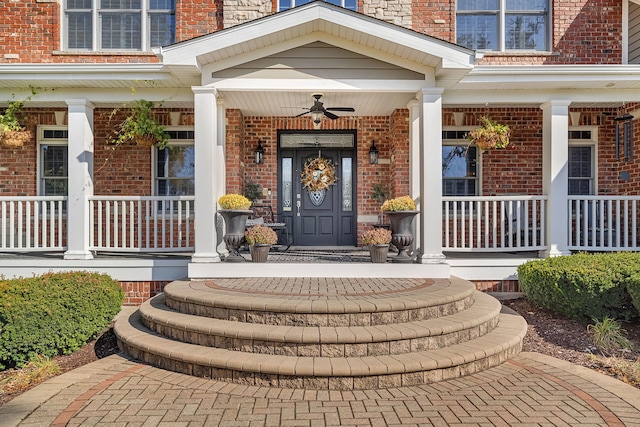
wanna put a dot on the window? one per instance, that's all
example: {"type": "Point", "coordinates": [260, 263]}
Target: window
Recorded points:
{"type": "Point", "coordinates": [119, 24]}
{"type": "Point", "coordinates": [53, 171]}
{"type": "Point", "coordinates": [501, 25]}
{"type": "Point", "coordinates": [288, 4]}
{"type": "Point", "coordinates": [459, 170]}
{"type": "Point", "coordinates": [174, 171]}
{"type": "Point", "coordinates": [581, 170]}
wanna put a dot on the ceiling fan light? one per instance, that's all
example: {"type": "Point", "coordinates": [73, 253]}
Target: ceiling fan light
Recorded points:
{"type": "Point", "coordinates": [316, 116]}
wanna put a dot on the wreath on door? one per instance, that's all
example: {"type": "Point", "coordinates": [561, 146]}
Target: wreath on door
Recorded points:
{"type": "Point", "coordinates": [318, 174]}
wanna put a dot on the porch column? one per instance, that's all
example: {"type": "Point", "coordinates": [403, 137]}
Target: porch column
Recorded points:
{"type": "Point", "coordinates": [221, 174]}
{"type": "Point", "coordinates": [206, 188]}
{"type": "Point", "coordinates": [414, 162]}
{"type": "Point", "coordinates": [555, 174]}
{"type": "Point", "coordinates": [430, 162]}
{"type": "Point", "coordinates": [80, 177]}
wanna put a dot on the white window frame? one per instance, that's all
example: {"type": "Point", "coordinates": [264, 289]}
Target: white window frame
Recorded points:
{"type": "Point", "coordinates": [172, 143]}
{"type": "Point", "coordinates": [282, 4]}
{"type": "Point", "coordinates": [501, 30]}
{"type": "Point", "coordinates": [465, 142]}
{"type": "Point", "coordinates": [53, 141]}
{"type": "Point", "coordinates": [97, 28]}
{"type": "Point", "coordinates": [591, 143]}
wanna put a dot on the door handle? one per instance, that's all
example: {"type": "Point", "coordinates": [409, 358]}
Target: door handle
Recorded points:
{"type": "Point", "coordinates": [298, 206]}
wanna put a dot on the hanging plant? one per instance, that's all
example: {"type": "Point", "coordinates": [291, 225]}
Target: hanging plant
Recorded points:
{"type": "Point", "coordinates": [12, 133]}
{"type": "Point", "coordinates": [490, 135]}
{"type": "Point", "coordinates": [140, 126]}
{"type": "Point", "coordinates": [318, 174]}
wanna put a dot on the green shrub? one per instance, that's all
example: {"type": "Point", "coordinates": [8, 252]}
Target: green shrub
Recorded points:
{"type": "Point", "coordinates": [583, 286]}
{"type": "Point", "coordinates": [54, 314]}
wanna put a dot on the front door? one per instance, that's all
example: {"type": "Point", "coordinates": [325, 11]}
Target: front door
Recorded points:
{"type": "Point", "coordinates": [324, 217]}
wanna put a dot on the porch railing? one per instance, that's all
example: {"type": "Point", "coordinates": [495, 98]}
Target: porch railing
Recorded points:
{"type": "Point", "coordinates": [33, 223]}
{"type": "Point", "coordinates": [141, 223]}
{"type": "Point", "coordinates": [604, 223]}
{"type": "Point", "coordinates": [493, 223]}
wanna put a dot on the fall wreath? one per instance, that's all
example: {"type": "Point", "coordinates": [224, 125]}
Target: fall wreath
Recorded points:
{"type": "Point", "coordinates": [318, 174]}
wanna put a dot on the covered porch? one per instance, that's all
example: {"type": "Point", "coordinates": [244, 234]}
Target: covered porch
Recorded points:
{"type": "Point", "coordinates": [412, 95]}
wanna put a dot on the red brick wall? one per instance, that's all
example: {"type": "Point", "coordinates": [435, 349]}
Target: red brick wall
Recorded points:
{"type": "Point", "coordinates": [584, 32]}
{"type": "Point", "coordinates": [32, 30]}
{"type": "Point", "coordinates": [135, 293]}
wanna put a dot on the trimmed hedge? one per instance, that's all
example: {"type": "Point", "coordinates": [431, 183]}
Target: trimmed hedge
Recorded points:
{"type": "Point", "coordinates": [54, 314]}
{"type": "Point", "coordinates": [584, 286]}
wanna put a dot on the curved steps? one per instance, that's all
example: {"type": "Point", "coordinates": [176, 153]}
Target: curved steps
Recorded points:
{"type": "Point", "coordinates": [283, 345]}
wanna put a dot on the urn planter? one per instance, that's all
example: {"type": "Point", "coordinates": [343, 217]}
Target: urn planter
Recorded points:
{"type": "Point", "coordinates": [235, 222]}
{"type": "Point", "coordinates": [402, 233]}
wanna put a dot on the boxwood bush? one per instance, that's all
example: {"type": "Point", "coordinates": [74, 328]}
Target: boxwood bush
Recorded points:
{"type": "Point", "coordinates": [54, 314]}
{"type": "Point", "coordinates": [584, 286]}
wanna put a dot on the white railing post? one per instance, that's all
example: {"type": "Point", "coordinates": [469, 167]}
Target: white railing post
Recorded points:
{"type": "Point", "coordinates": [80, 180]}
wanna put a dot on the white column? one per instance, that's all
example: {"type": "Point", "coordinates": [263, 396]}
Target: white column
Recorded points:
{"type": "Point", "coordinates": [221, 174]}
{"type": "Point", "coordinates": [430, 158]}
{"type": "Point", "coordinates": [80, 178]}
{"type": "Point", "coordinates": [414, 163]}
{"type": "Point", "coordinates": [555, 174]}
{"type": "Point", "coordinates": [206, 188]}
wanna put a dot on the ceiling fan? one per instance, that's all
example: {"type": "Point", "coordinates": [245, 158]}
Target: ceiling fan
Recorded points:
{"type": "Point", "coordinates": [317, 110]}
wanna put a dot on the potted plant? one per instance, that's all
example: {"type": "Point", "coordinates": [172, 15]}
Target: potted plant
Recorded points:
{"type": "Point", "coordinates": [235, 211]}
{"type": "Point", "coordinates": [401, 211]}
{"type": "Point", "coordinates": [140, 126]}
{"type": "Point", "coordinates": [12, 134]}
{"type": "Point", "coordinates": [260, 238]}
{"type": "Point", "coordinates": [490, 134]}
{"type": "Point", "coordinates": [378, 240]}
{"type": "Point", "coordinates": [252, 191]}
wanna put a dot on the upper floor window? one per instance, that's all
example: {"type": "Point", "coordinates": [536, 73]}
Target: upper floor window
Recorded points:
{"type": "Point", "coordinates": [119, 24]}
{"type": "Point", "coordinates": [501, 25]}
{"type": "Point", "coordinates": [288, 4]}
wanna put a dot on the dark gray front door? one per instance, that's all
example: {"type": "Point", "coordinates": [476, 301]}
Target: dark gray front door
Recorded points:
{"type": "Point", "coordinates": [323, 218]}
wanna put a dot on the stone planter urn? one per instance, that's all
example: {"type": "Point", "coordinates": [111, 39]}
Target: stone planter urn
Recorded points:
{"type": "Point", "coordinates": [378, 253]}
{"type": "Point", "coordinates": [259, 252]}
{"type": "Point", "coordinates": [235, 222]}
{"type": "Point", "coordinates": [402, 233]}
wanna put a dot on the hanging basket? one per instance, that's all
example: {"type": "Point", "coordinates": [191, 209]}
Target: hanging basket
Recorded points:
{"type": "Point", "coordinates": [15, 138]}
{"type": "Point", "coordinates": [145, 140]}
{"type": "Point", "coordinates": [485, 143]}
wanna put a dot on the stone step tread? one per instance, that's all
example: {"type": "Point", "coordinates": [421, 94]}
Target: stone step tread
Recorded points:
{"type": "Point", "coordinates": [482, 311]}
{"type": "Point", "coordinates": [508, 334]}
{"type": "Point", "coordinates": [442, 291]}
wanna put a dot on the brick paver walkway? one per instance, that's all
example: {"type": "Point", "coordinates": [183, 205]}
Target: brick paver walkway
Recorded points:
{"type": "Point", "coordinates": [531, 390]}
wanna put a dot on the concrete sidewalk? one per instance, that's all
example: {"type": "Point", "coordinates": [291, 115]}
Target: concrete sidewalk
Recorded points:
{"type": "Point", "coordinates": [531, 389]}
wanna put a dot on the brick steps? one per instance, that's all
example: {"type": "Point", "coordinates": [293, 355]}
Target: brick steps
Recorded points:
{"type": "Point", "coordinates": [282, 353]}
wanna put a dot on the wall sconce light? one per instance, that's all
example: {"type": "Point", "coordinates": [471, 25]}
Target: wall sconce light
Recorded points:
{"type": "Point", "coordinates": [626, 123]}
{"type": "Point", "coordinates": [258, 153]}
{"type": "Point", "coordinates": [373, 153]}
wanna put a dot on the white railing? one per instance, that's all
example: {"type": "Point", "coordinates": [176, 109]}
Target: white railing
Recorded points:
{"type": "Point", "coordinates": [141, 223]}
{"type": "Point", "coordinates": [493, 223]}
{"type": "Point", "coordinates": [33, 223]}
{"type": "Point", "coordinates": [603, 223]}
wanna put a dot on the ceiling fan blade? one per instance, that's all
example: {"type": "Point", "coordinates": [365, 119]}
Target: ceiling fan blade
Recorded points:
{"type": "Point", "coordinates": [302, 114]}
{"type": "Point", "coordinates": [349, 109]}
{"type": "Point", "coordinates": [331, 115]}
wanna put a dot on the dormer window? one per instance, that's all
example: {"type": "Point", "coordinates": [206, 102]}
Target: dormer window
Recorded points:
{"type": "Point", "coordinates": [288, 4]}
{"type": "Point", "coordinates": [120, 25]}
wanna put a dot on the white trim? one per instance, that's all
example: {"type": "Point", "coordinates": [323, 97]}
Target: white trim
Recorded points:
{"type": "Point", "coordinates": [305, 85]}
{"type": "Point", "coordinates": [40, 141]}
